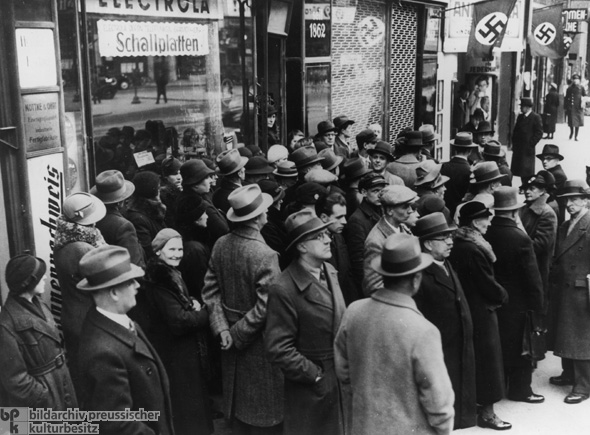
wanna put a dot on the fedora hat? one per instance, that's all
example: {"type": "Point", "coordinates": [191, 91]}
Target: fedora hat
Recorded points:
{"type": "Point", "coordinates": [550, 150]}
{"type": "Point", "coordinates": [464, 139]}
{"type": "Point", "coordinates": [485, 172]}
{"type": "Point", "coordinates": [432, 225]}
{"type": "Point", "coordinates": [382, 147]}
{"type": "Point", "coordinates": [401, 256]}
{"type": "Point", "coordinates": [526, 101]}
{"type": "Point", "coordinates": [106, 266]}
{"type": "Point", "coordinates": [325, 127]}
{"type": "Point", "coordinates": [285, 169]}
{"type": "Point", "coordinates": [574, 188]}
{"type": "Point", "coordinates": [544, 179]}
{"type": "Point", "coordinates": [506, 198]}
{"type": "Point", "coordinates": [394, 195]}
{"type": "Point", "coordinates": [194, 171]}
{"type": "Point", "coordinates": [473, 210]}
{"type": "Point", "coordinates": [305, 156]}
{"type": "Point", "coordinates": [353, 169]}
{"type": "Point", "coordinates": [484, 127]}
{"type": "Point", "coordinates": [429, 173]}
{"type": "Point", "coordinates": [83, 208]}
{"type": "Point", "coordinates": [331, 160]}
{"type": "Point", "coordinates": [111, 187]}
{"type": "Point", "coordinates": [428, 133]}
{"type": "Point", "coordinates": [272, 188]}
{"type": "Point", "coordinates": [230, 161]}
{"type": "Point", "coordinates": [493, 149]}
{"type": "Point", "coordinates": [414, 139]}
{"type": "Point", "coordinates": [247, 202]}
{"type": "Point", "coordinates": [302, 223]}
{"type": "Point", "coordinates": [258, 165]}
{"type": "Point", "coordinates": [341, 122]}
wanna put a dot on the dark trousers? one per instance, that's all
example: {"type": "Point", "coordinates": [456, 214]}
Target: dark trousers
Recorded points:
{"type": "Point", "coordinates": [240, 428]}
{"type": "Point", "coordinates": [581, 376]}
{"type": "Point", "coordinates": [567, 365]}
{"type": "Point", "coordinates": [518, 382]}
{"type": "Point", "coordinates": [161, 88]}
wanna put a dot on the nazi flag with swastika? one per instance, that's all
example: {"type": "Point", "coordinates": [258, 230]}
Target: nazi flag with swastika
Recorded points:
{"type": "Point", "coordinates": [490, 20]}
{"type": "Point", "coordinates": [546, 37]}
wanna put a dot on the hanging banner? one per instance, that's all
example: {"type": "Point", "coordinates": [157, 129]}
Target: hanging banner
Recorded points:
{"type": "Point", "coordinates": [546, 37]}
{"type": "Point", "coordinates": [488, 26]}
{"type": "Point", "coordinates": [202, 9]}
{"type": "Point", "coordinates": [129, 38]}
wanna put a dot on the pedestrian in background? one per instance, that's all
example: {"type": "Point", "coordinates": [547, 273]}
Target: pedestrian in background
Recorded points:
{"type": "Point", "coordinates": [550, 111]}
{"type": "Point", "coordinates": [574, 106]}
{"type": "Point", "coordinates": [526, 134]}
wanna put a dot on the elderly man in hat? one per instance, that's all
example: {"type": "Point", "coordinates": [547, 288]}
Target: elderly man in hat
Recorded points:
{"type": "Point", "coordinates": [119, 368]}
{"type": "Point", "coordinates": [458, 169]}
{"type": "Point", "coordinates": [241, 268]}
{"type": "Point", "coordinates": [516, 270]}
{"type": "Point", "coordinates": [405, 166]}
{"type": "Point", "coordinates": [380, 156]}
{"type": "Point", "coordinates": [113, 190]}
{"type": "Point", "coordinates": [568, 283]}
{"type": "Point", "coordinates": [493, 152]}
{"type": "Point", "coordinates": [574, 106]}
{"type": "Point", "coordinates": [343, 134]}
{"type": "Point", "coordinates": [33, 372]}
{"type": "Point", "coordinates": [305, 306]}
{"type": "Point", "coordinates": [398, 203]}
{"type": "Point", "coordinates": [527, 133]}
{"type": "Point", "coordinates": [230, 167]}
{"type": "Point", "coordinates": [327, 134]}
{"type": "Point", "coordinates": [441, 300]}
{"type": "Point", "coordinates": [550, 158]}
{"type": "Point", "coordinates": [389, 358]}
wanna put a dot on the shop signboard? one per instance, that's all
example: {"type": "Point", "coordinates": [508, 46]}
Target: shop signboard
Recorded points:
{"type": "Point", "coordinates": [138, 38]}
{"type": "Point", "coordinates": [41, 119]}
{"type": "Point", "coordinates": [35, 51]}
{"type": "Point", "coordinates": [318, 28]}
{"type": "Point", "coordinates": [458, 22]}
{"type": "Point", "coordinates": [190, 9]}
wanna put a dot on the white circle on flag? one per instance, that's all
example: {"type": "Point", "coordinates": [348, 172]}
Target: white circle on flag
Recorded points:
{"type": "Point", "coordinates": [489, 28]}
{"type": "Point", "coordinates": [545, 33]}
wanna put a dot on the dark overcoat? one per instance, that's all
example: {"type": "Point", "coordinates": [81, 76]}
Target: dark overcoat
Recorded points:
{"type": "Point", "coordinates": [122, 370]}
{"type": "Point", "coordinates": [119, 231]}
{"type": "Point", "coordinates": [569, 288]}
{"type": "Point", "coordinates": [219, 198]}
{"type": "Point", "coordinates": [300, 333]}
{"type": "Point", "coordinates": [560, 179]}
{"type": "Point", "coordinates": [172, 328]}
{"type": "Point", "coordinates": [276, 237]}
{"type": "Point", "coordinates": [217, 225]}
{"type": "Point", "coordinates": [527, 133]}
{"type": "Point", "coordinates": [147, 216]}
{"type": "Point", "coordinates": [574, 105]}
{"type": "Point", "coordinates": [472, 258]}
{"type": "Point", "coordinates": [341, 262]}
{"type": "Point", "coordinates": [550, 111]}
{"type": "Point", "coordinates": [517, 271]}
{"type": "Point", "coordinates": [241, 268]}
{"type": "Point", "coordinates": [441, 300]}
{"type": "Point", "coordinates": [30, 342]}
{"type": "Point", "coordinates": [458, 170]}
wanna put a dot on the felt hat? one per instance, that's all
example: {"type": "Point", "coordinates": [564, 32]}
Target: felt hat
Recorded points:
{"type": "Point", "coordinates": [277, 152]}
{"type": "Point", "coordinates": [83, 208]}
{"type": "Point", "coordinates": [305, 156]}
{"type": "Point", "coordinates": [162, 238]}
{"type": "Point", "coordinates": [473, 210]}
{"type": "Point", "coordinates": [258, 165]}
{"type": "Point", "coordinates": [382, 147]}
{"type": "Point", "coordinates": [526, 102]}
{"type": "Point", "coordinates": [551, 151]}
{"type": "Point", "coordinates": [428, 133]}
{"type": "Point", "coordinates": [431, 225]}
{"type": "Point", "coordinates": [285, 170]}
{"type": "Point", "coordinates": [194, 171]}
{"type": "Point", "coordinates": [147, 184]}
{"type": "Point", "coordinates": [397, 195]}
{"type": "Point", "coordinates": [309, 193]}
{"type": "Point", "coordinates": [485, 127]}
{"type": "Point", "coordinates": [574, 188]}
{"type": "Point", "coordinates": [341, 122]}
{"type": "Point", "coordinates": [414, 139]}
{"type": "Point", "coordinates": [544, 179]}
{"type": "Point", "coordinates": [111, 187]}
{"type": "Point", "coordinates": [401, 256]}
{"type": "Point", "coordinates": [106, 266]}
{"type": "Point", "coordinates": [464, 139]}
{"type": "Point", "coordinates": [353, 169]}
{"type": "Point", "coordinates": [245, 152]}
{"type": "Point", "coordinates": [428, 172]}
{"type": "Point", "coordinates": [170, 166]}
{"type": "Point", "coordinates": [364, 137]}
{"type": "Point", "coordinates": [506, 198]}
{"type": "Point", "coordinates": [301, 224]}
{"type": "Point", "coordinates": [372, 180]}
{"type": "Point", "coordinates": [230, 161]}
{"type": "Point", "coordinates": [331, 160]}
{"type": "Point", "coordinates": [272, 188]}
{"type": "Point", "coordinates": [271, 110]}
{"type": "Point", "coordinates": [493, 150]}
{"type": "Point", "coordinates": [23, 273]}
{"type": "Point", "coordinates": [485, 172]}
{"type": "Point", "coordinates": [247, 202]}
{"type": "Point", "coordinates": [187, 212]}
{"type": "Point", "coordinates": [430, 204]}
{"type": "Point", "coordinates": [325, 127]}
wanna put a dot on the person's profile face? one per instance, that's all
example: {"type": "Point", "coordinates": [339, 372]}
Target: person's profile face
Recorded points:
{"type": "Point", "coordinates": [550, 162]}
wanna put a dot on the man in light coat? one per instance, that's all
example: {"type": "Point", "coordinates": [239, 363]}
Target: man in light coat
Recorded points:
{"type": "Point", "coordinates": [389, 357]}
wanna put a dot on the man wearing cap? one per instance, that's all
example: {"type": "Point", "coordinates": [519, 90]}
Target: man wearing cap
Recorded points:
{"type": "Point", "coordinates": [398, 204]}
{"type": "Point", "coordinates": [343, 133]}
{"type": "Point", "coordinates": [570, 290]}
{"type": "Point", "coordinates": [441, 300]}
{"type": "Point", "coordinates": [574, 106]}
{"type": "Point", "coordinates": [365, 140]}
{"type": "Point", "coordinates": [527, 133]}
{"type": "Point", "coordinates": [458, 170]}
{"type": "Point", "coordinates": [241, 268]}
{"type": "Point", "coordinates": [230, 167]}
{"type": "Point", "coordinates": [380, 156]}
{"type": "Point", "coordinates": [550, 158]}
{"type": "Point", "coordinates": [362, 221]}
{"type": "Point", "coordinates": [113, 190]}
{"type": "Point", "coordinates": [405, 166]}
{"type": "Point", "coordinates": [389, 358]}
{"type": "Point", "coordinates": [516, 270]}
{"type": "Point", "coordinates": [34, 373]}
{"type": "Point", "coordinates": [493, 152]}
{"type": "Point", "coordinates": [119, 368]}
{"type": "Point", "coordinates": [305, 306]}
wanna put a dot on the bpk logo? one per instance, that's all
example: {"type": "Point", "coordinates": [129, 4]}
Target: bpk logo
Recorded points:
{"type": "Point", "coordinates": [14, 421]}
{"type": "Point", "coordinates": [490, 27]}
{"type": "Point", "coordinates": [545, 33]}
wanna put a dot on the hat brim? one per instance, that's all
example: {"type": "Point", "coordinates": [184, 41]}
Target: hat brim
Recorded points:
{"type": "Point", "coordinates": [339, 160]}
{"type": "Point", "coordinates": [243, 161]}
{"type": "Point", "coordinates": [496, 178]}
{"type": "Point", "coordinates": [472, 145]}
{"type": "Point", "coordinates": [345, 124]}
{"type": "Point", "coordinates": [512, 207]}
{"type": "Point", "coordinates": [356, 176]}
{"type": "Point", "coordinates": [502, 154]}
{"type": "Point", "coordinates": [193, 181]}
{"type": "Point", "coordinates": [311, 162]}
{"type": "Point", "coordinates": [425, 261]}
{"type": "Point", "coordinates": [135, 272]}
{"type": "Point", "coordinates": [278, 174]}
{"type": "Point", "coordinates": [302, 235]}
{"type": "Point", "coordinates": [261, 171]}
{"type": "Point", "coordinates": [441, 180]}
{"type": "Point", "coordinates": [114, 197]}
{"type": "Point", "coordinates": [482, 213]}
{"type": "Point", "coordinates": [99, 212]}
{"type": "Point", "coordinates": [267, 201]}
{"type": "Point", "coordinates": [429, 236]}
{"type": "Point", "coordinates": [566, 195]}
{"type": "Point", "coordinates": [559, 156]}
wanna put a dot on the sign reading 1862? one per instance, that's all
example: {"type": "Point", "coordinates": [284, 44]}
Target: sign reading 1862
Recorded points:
{"type": "Point", "coordinates": [41, 121]}
{"type": "Point", "coordinates": [317, 29]}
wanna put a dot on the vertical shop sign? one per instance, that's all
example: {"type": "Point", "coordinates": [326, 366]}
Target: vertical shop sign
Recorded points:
{"type": "Point", "coordinates": [318, 29]}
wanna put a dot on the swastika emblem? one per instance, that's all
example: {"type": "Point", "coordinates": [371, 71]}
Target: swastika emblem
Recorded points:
{"type": "Point", "coordinates": [567, 41]}
{"type": "Point", "coordinates": [490, 27]}
{"type": "Point", "coordinates": [545, 33]}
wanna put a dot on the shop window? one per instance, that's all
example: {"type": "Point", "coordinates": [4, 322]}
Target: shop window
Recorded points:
{"type": "Point", "coordinates": [36, 10]}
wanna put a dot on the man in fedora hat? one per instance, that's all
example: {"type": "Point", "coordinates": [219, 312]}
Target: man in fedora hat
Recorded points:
{"type": "Point", "coordinates": [398, 203]}
{"type": "Point", "coordinates": [380, 156]}
{"type": "Point", "coordinates": [257, 169]}
{"type": "Point", "coordinates": [441, 300]}
{"type": "Point", "coordinates": [551, 158]}
{"type": "Point", "coordinates": [327, 134]}
{"type": "Point", "coordinates": [113, 190]}
{"type": "Point", "coordinates": [458, 169]}
{"type": "Point", "coordinates": [569, 288]}
{"type": "Point", "coordinates": [493, 152]}
{"type": "Point", "coordinates": [430, 183]}
{"type": "Point", "coordinates": [405, 166]}
{"type": "Point", "coordinates": [305, 306]}
{"type": "Point", "coordinates": [241, 268]}
{"type": "Point", "coordinates": [306, 159]}
{"type": "Point", "coordinates": [119, 368]}
{"type": "Point", "coordinates": [574, 106]}
{"type": "Point", "coordinates": [343, 134]}
{"type": "Point", "coordinates": [230, 167]}
{"type": "Point", "coordinates": [388, 357]}
{"type": "Point", "coordinates": [516, 270]}
{"type": "Point", "coordinates": [526, 134]}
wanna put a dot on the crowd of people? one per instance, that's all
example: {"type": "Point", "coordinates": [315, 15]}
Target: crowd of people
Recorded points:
{"type": "Point", "coordinates": [330, 286]}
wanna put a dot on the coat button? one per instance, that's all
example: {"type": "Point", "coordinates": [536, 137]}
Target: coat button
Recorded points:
{"type": "Point", "coordinates": [149, 371]}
